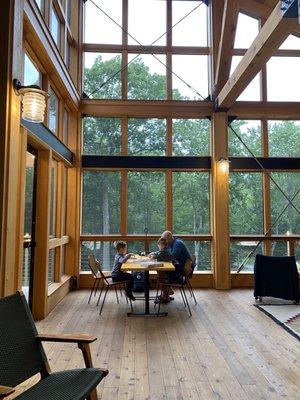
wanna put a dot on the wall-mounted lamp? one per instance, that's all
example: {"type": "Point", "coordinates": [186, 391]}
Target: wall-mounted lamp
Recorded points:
{"type": "Point", "coordinates": [224, 165]}
{"type": "Point", "coordinates": [33, 101]}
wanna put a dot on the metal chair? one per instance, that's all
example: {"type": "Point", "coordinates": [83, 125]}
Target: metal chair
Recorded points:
{"type": "Point", "coordinates": [22, 356]}
{"type": "Point", "coordinates": [166, 286]}
{"type": "Point", "coordinates": [107, 283]}
{"type": "Point", "coordinates": [93, 264]}
{"type": "Point", "coordinates": [190, 277]}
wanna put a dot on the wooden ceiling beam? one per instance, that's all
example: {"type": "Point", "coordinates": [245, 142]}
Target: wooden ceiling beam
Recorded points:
{"type": "Point", "coordinates": [269, 110]}
{"type": "Point", "coordinates": [273, 33]}
{"type": "Point", "coordinates": [229, 23]}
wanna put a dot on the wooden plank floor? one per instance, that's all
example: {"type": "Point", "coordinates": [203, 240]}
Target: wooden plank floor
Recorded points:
{"type": "Point", "coordinates": [228, 349]}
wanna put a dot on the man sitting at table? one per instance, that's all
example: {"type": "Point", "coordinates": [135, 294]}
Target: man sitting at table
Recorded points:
{"type": "Point", "coordinates": [116, 273]}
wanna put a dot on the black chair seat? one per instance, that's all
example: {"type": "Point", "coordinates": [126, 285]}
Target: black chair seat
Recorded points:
{"type": "Point", "coordinates": [73, 384]}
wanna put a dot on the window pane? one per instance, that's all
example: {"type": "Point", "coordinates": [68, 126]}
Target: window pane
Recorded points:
{"type": "Point", "coordinates": [191, 30]}
{"type": "Point", "coordinates": [98, 27]}
{"type": "Point", "coordinates": [289, 183]}
{"type": "Point", "coordinates": [102, 76]}
{"type": "Point", "coordinates": [283, 86]}
{"type": "Point", "coordinates": [252, 91]}
{"type": "Point", "coordinates": [147, 77]}
{"type": "Point", "coordinates": [55, 27]}
{"type": "Point", "coordinates": [32, 75]}
{"type": "Point", "coordinates": [190, 77]}
{"type": "Point", "coordinates": [103, 251]}
{"type": "Point", "coordinates": [26, 271]}
{"type": "Point", "coordinates": [246, 204]}
{"type": "Point", "coordinates": [297, 254]}
{"type": "Point", "coordinates": [53, 188]}
{"type": "Point", "coordinates": [102, 136]}
{"type": "Point", "coordinates": [51, 266]}
{"type": "Point", "coordinates": [284, 138]}
{"type": "Point", "coordinates": [240, 254]}
{"type": "Point", "coordinates": [191, 202]}
{"type": "Point", "coordinates": [147, 22]}
{"type": "Point", "coordinates": [29, 193]}
{"type": "Point", "coordinates": [53, 112]}
{"type": "Point", "coordinates": [146, 202]}
{"type": "Point", "coordinates": [279, 249]}
{"type": "Point", "coordinates": [39, 3]}
{"type": "Point", "coordinates": [246, 31]}
{"type": "Point", "coordinates": [191, 137]}
{"type": "Point", "coordinates": [250, 132]}
{"type": "Point", "coordinates": [101, 202]}
{"type": "Point", "coordinates": [291, 43]}
{"type": "Point", "coordinates": [146, 136]}
{"type": "Point", "coordinates": [202, 251]}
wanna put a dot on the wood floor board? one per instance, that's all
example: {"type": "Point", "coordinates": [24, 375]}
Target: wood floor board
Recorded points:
{"type": "Point", "coordinates": [227, 350]}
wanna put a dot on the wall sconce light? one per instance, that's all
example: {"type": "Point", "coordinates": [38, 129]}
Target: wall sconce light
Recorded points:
{"type": "Point", "coordinates": [33, 101]}
{"type": "Point", "coordinates": [224, 165]}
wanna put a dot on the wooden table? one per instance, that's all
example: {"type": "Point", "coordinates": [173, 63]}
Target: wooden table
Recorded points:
{"type": "Point", "coordinates": [146, 264]}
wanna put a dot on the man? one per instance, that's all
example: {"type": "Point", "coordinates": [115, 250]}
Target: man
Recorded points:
{"type": "Point", "coordinates": [178, 250]}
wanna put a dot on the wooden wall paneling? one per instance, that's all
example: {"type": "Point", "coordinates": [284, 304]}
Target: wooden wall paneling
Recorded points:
{"type": "Point", "coordinates": [224, 57]}
{"type": "Point", "coordinates": [41, 256]}
{"type": "Point", "coordinates": [273, 33]}
{"type": "Point", "coordinates": [220, 204]}
{"type": "Point", "coordinates": [11, 147]}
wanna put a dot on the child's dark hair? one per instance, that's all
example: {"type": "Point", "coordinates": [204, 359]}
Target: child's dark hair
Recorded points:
{"type": "Point", "coordinates": [162, 241]}
{"type": "Point", "coordinates": [120, 245]}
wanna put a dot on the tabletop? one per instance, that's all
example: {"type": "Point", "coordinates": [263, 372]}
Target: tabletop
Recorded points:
{"type": "Point", "coordinates": [142, 263]}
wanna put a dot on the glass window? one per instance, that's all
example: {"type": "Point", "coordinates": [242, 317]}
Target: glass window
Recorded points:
{"type": "Point", "coordinates": [32, 75]}
{"type": "Point", "coordinates": [246, 31]}
{"type": "Point", "coordinates": [146, 77]}
{"type": "Point", "coordinates": [279, 249]}
{"type": "Point", "coordinates": [202, 252]}
{"type": "Point", "coordinates": [53, 191]}
{"type": "Point", "coordinates": [192, 28]}
{"type": "Point", "coordinates": [252, 91]}
{"type": "Point", "coordinates": [284, 138]}
{"type": "Point", "coordinates": [67, 54]}
{"type": "Point", "coordinates": [39, 3]}
{"type": "Point", "coordinates": [29, 193]}
{"type": "Point", "coordinates": [51, 266]}
{"type": "Point", "coordinates": [146, 202]}
{"type": "Point", "coordinates": [289, 183]}
{"type": "Point", "coordinates": [102, 75]}
{"type": "Point", "coordinates": [291, 43]}
{"type": "Point", "coordinates": [147, 22]}
{"type": "Point", "coordinates": [246, 203]}
{"type": "Point", "coordinates": [146, 136]}
{"type": "Point", "coordinates": [240, 254]}
{"type": "Point", "coordinates": [69, 11]}
{"type": "Point", "coordinates": [98, 27]}
{"type": "Point", "coordinates": [191, 203]}
{"type": "Point", "coordinates": [102, 136]}
{"type": "Point", "coordinates": [282, 84]}
{"type": "Point", "coordinates": [103, 251]}
{"type": "Point", "coordinates": [55, 27]}
{"type": "Point", "coordinates": [297, 254]}
{"type": "Point", "coordinates": [190, 77]}
{"type": "Point", "coordinates": [250, 132]}
{"type": "Point", "coordinates": [101, 202]}
{"type": "Point", "coordinates": [53, 112]}
{"type": "Point", "coordinates": [191, 137]}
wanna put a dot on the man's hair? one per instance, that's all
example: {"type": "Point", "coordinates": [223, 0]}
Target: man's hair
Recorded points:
{"type": "Point", "coordinates": [167, 235]}
{"type": "Point", "coordinates": [162, 241]}
{"type": "Point", "coordinates": [120, 245]}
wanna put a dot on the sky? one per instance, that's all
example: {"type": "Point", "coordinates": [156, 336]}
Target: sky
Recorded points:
{"type": "Point", "coordinates": [147, 23]}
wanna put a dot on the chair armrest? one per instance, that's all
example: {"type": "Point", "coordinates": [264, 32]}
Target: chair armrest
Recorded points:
{"type": "Point", "coordinates": [5, 391]}
{"type": "Point", "coordinates": [67, 337]}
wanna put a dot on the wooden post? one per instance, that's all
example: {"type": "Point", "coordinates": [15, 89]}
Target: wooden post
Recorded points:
{"type": "Point", "coordinates": [220, 204]}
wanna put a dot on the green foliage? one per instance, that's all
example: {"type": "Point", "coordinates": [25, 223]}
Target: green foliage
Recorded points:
{"type": "Point", "coordinates": [146, 136]}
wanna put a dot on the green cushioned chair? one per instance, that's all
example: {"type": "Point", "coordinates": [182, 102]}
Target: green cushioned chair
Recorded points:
{"type": "Point", "coordinates": [22, 356]}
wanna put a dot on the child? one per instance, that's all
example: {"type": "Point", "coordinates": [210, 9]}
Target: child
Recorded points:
{"type": "Point", "coordinates": [116, 273]}
{"type": "Point", "coordinates": [163, 255]}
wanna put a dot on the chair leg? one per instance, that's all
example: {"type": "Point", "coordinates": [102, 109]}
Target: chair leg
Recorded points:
{"type": "Point", "coordinates": [92, 291]}
{"type": "Point", "coordinates": [187, 303]}
{"type": "Point", "coordinates": [116, 291]}
{"type": "Point", "coordinates": [130, 304]}
{"type": "Point", "coordinates": [102, 287]}
{"type": "Point", "coordinates": [192, 292]}
{"type": "Point", "coordinates": [156, 296]}
{"type": "Point", "coordinates": [103, 300]}
{"type": "Point", "coordinates": [97, 286]}
{"type": "Point", "coordinates": [161, 292]}
{"type": "Point", "coordinates": [92, 395]}
{"type": "Point", "coordinates": [120, 288]}
{"type": "Point", "coordinates": [124, 288]}
{"type": "Point", "coordinates": [182, 296]}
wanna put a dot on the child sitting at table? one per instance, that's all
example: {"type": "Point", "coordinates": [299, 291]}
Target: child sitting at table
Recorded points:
{"type": "Point", "coordinates": [116, 273]}
{"type": "Point", "coordinates": [164, 255]}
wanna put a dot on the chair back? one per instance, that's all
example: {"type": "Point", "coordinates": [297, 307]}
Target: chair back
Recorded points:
{"type": "Point", "coordinates": [94, 265]}
{"type": "Point", "coordinates": [187, 270]}
{"type": "Point", "coordinates": [21, 354]}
